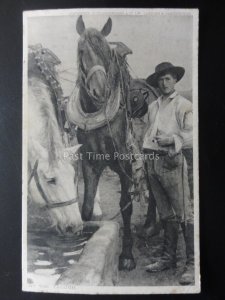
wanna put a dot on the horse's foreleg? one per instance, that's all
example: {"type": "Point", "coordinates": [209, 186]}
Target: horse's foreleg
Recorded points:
{"type": "Point", "coordinates": [97, 212]}
{"type": "Point", "coordinates": [91, 178]}
{"type": "Point", "coordinates": [126, 260]}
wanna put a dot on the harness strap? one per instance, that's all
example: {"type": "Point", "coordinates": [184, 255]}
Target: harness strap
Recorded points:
{"type": "Point", "coordinates": [92, 71]}
{"type": "Point", "coordinates": [38, 184]}
{"type": "Point", "coordinates": [121, 210]}
{"type": "Point", "coordinates": [60, 204]}
{"type": "Point", "coordinates": [33, 171]}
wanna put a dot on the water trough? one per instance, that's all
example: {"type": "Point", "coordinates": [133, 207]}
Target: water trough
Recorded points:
{"type": "Point", "coordinates": [92, 265]}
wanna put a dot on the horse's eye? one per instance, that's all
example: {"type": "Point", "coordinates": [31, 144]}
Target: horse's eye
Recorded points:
{"type": "Point", "coordinates": [82, 67]}
{"type": "Point", "coordinates": [145, 94]}
{"type": "Point", "coordinates": [51, 180]}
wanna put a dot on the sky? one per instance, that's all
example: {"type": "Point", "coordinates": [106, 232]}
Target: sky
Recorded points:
{"type": "Point", "coordinates": [154, 37]}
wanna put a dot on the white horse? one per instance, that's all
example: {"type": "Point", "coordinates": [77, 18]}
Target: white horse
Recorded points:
{"type": "Point", "coordinates": [52, 178]}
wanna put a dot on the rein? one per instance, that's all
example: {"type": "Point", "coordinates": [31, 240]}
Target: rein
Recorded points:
{"type": "Point", "coordinates": [48, 204]}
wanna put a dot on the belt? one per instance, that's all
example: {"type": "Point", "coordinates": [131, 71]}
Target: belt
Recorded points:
{"type": "Point", "coordinates": [158, 152]}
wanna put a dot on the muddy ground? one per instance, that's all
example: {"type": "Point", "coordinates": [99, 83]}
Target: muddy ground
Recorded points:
{"type": "Point", "coordinates": [144, 251]}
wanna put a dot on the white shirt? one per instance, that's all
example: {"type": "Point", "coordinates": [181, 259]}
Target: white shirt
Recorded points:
{"type": "Point", "coordinates": [172, 117]}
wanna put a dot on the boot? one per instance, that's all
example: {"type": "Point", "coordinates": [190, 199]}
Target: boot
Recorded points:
{"type": "Point", "coordinates": [168, 260]}
{"type": "Point", "coordinates": [188, 276]}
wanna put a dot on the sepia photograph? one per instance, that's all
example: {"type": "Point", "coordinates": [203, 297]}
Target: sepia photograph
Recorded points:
{"type": "Point", "coordinates": [110, 151]}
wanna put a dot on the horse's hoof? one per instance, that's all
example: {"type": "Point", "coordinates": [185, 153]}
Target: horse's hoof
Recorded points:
{"type": "Point", "coordinates": [126, 264]}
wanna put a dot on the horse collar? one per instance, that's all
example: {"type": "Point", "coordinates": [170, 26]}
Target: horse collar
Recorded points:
{"type": "Point", "coordinates": [90, 121]}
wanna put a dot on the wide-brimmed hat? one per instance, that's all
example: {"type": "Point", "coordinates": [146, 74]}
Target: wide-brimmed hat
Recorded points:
{"type": "Point", "coordinates": [163, 68]}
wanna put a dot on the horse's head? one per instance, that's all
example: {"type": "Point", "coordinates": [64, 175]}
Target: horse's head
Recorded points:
{"type": "Point", "coordinates": [94, 56]}
{"type": "Point", "coordinates": [54, 186]}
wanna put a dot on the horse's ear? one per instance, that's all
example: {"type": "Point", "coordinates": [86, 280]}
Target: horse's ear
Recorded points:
{"type": "Point", "coordinates": [75, 148]}
{"type": "Point", "coordinates": [107, 27]}
{"type": "Point", "coordinates": [80, 25]}
{"type": "Point", "coordinates": [69, 153]}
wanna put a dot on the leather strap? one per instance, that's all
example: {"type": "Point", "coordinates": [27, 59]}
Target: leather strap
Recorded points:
{"type": "Point", "coordinates": [92, 71]}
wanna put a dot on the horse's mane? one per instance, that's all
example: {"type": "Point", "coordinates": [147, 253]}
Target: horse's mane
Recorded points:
{"type": "Point", "coordinates": [41, 65]}
{"type": "Point", "coordinates": [50, 135]}
{"type": "Point", "coordinates": [45, 128]}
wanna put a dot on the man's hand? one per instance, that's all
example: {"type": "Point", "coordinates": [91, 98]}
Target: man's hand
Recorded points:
{"type": "Point", "coordinates": [164, 140]}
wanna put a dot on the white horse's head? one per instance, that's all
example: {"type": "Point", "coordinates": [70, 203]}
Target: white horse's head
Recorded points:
{"type": "Point", "coordinates": [54, 186]}
{"type": "Point", "coordinates": [54, 181]}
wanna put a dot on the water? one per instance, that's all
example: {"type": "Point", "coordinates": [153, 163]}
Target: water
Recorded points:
{"type": "Point", "coordinates": [50, 255]}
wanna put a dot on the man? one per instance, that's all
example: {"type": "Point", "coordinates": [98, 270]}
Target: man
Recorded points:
{"type": "Point", "coordinates": [168, 132]}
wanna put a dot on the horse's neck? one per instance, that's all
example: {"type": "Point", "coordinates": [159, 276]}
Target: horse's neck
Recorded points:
{"type": "Point", "coordinates": [43, 125]}
{"type": "Point", "coordinates": [35, 73]}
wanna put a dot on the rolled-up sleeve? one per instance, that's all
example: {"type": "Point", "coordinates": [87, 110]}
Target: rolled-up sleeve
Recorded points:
{"type": "Point", "coordinates": [184, 139]}
{"type": "Point", "coordinates": [187, 132]}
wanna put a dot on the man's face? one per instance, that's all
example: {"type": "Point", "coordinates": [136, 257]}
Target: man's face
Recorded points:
{"type": "Point", "coordinates": [166, 84]}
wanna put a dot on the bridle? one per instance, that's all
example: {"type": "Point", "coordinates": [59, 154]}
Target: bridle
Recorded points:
{"type": "Point", "coordinates": [86, 75]}
{"type": "Point", "coordinates": [93, 70]}
{"type": "Point", "coordinates": [86, 79]}
{"type": "Point", "coordinates": [48, 204]}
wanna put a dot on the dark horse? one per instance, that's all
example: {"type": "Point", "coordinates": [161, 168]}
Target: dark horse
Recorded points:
{"type": "Point", "coordinates": [101, 72]}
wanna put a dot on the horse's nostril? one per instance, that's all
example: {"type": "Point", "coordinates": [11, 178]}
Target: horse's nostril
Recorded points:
{"type": "Point", "coordinates": [95, 93]}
